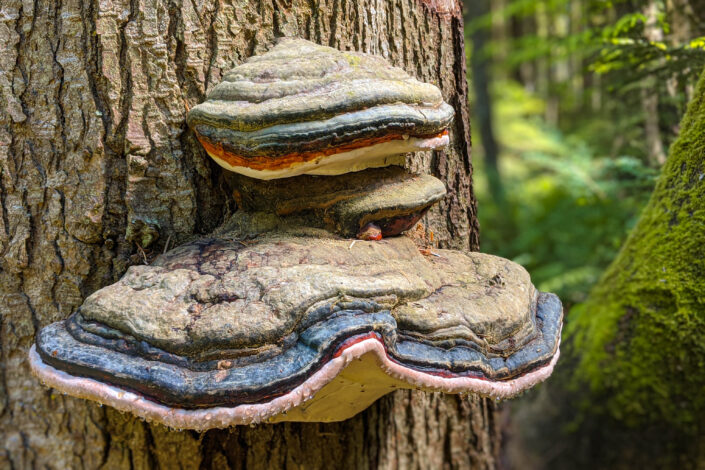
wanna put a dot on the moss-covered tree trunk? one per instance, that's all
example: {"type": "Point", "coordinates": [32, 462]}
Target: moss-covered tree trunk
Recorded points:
{"type": "Point", "coordinates": [98, 171]}
{"type": "Point", "coordinates": [630, 389]}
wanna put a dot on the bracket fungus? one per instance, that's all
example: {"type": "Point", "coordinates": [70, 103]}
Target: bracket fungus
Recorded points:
{"type": "Point", "coordinates": [278, 316]}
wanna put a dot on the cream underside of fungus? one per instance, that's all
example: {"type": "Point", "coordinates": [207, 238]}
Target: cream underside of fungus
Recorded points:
{"type": "Point", "coordinates": [374, 156]}
{"type": "Point", "coordinates": [343, 387]}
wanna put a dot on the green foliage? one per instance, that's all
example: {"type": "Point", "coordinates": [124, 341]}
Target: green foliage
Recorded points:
{"type": "Point", "coordinates": [625, 49]}
{"type": "Point", "coordinates": [594, 57]}
{"type": "Point", "coordinates": [576, 181]}
{"type": "Point", "coordinates": [608, 37]}
{"type": "Point", "coordinates": [568, 209]}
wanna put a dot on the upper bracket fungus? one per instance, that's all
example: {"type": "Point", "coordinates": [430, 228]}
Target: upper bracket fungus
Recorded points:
{"type": "Point", "coordinates": [302, 108]}
{"type": "Point", "coordinates": [278, 315]}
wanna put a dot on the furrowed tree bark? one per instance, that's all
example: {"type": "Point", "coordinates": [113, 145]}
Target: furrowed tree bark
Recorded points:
{"type": "Point", "coordinates": [628, 392]}
{"type": "Point", "coordinates": [98, 171]}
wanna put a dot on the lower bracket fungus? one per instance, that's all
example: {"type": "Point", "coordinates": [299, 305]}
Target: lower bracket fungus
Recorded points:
{"type": "Point", "coordinates": [300, 327]}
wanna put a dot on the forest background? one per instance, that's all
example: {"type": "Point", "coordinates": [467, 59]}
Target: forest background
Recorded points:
{"type": "Point", "coordinates": [575, 106]}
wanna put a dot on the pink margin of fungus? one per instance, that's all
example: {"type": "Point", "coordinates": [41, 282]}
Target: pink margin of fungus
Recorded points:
{"type": "Point", "coordinates": [222, 417]}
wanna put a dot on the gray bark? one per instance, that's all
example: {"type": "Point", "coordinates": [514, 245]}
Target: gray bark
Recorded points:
{"type": "Point", "coordinates": [98, 171]}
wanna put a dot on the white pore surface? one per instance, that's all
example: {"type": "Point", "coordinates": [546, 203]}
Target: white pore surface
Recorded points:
{"type": "Point", "coordinates": [222, 416]}
{"type": "Point", "coordinates": [373, 156]}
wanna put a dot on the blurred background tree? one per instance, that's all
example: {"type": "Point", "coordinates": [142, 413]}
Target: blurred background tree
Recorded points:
{"type": "Point", "coordinates": [576, 105]}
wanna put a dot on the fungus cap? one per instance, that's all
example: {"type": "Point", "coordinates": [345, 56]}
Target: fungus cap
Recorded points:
{"type": "Point", "coordinates": [302, 108]}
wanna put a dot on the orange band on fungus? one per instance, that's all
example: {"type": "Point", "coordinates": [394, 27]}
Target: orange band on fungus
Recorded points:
{"type": "Point", "coordinates": [285, 161]}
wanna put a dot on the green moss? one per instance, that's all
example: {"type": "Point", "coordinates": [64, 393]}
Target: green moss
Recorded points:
{"type": "Point", "coordinates": [353, 59]}
{"type": "Point", "coordinates": [639, 341]}
{"type": "Point", "coordinates": [143, 231]}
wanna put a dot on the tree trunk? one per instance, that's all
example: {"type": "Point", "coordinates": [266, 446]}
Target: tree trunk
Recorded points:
{"type": "Point", "coordinates": [649, 93]}
{"type": "Point", "coordinates": [685, 25]}
{"type": "Point", "coordinates": [100, 172]}
{"type": "Point", "coordinates": [480, 69]}
{"type": "Point", "coordinates": [629, 390]}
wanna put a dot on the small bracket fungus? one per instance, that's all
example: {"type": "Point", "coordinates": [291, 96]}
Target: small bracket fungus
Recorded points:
{"type": "Point", "coordinates": [390, 198]}
{"type": "Point", "coordinates": [278, 316]}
